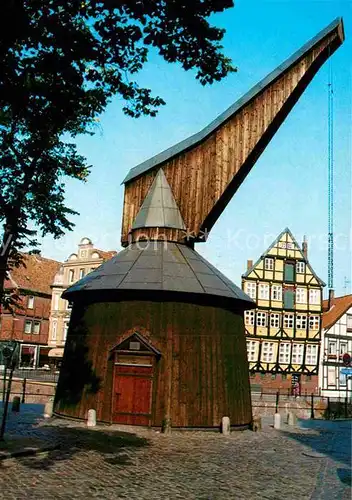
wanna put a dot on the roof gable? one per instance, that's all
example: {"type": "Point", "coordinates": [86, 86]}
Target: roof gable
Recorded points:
{"type": "Point", "coordinates": [136, 343]}
{"type": "Point", "coordinates": [287, 246]}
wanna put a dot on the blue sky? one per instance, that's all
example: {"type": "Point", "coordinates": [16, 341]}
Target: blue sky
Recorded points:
{"type": "Point", "coordinates": [288, 184]}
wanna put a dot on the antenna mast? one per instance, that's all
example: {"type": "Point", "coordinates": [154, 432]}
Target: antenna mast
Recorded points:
{"type": "Point", "coordinates": [330, 182]}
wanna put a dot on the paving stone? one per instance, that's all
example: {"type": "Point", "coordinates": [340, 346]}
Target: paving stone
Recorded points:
{"type": "Point", "coordinates": [111, 463]}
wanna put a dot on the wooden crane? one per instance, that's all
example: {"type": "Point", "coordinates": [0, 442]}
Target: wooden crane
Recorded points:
{"type": "Point", "coordinates": [205, 170]}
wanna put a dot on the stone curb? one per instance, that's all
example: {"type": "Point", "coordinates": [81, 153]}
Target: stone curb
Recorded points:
{"type": "Point", "coordinates": [27, 452]}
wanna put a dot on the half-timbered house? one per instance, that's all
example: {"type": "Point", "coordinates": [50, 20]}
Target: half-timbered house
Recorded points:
{"type": "Point", "coordinates": [336, 344]}
{"type": "Point", "coordinates": [284, 331]}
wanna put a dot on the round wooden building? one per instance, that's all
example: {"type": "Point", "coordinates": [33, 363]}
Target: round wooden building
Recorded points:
{"type": "Point", "coordinates": [156, 338]}
{"type": "Point", "coordinates": [156, 335]}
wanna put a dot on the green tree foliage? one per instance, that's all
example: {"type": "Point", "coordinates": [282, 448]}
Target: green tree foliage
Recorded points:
{"type": "Point", "coordinates": [62, 61]}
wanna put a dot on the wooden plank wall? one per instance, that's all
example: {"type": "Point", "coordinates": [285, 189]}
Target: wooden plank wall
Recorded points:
{"type": "Point", "coordinates": [198, 177]}
{"type": "Point", "coordinates": [201, 376]}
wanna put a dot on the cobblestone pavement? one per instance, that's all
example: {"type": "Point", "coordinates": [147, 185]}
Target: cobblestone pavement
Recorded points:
{"type": "Point", "coordinates": [110, 463]}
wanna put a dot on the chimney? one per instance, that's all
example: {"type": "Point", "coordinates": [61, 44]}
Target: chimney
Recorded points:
{"type": "Point", "coordinates": [331, 298]}
{"type": "Point", "coordinates": [305, 247]}
{"type": "Point", "coordinates": [249, 264]}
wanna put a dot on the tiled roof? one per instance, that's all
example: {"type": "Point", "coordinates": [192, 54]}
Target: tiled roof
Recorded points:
{"type": "Point", "coordinates": [106, 255]}
{"type": "Point", "coordinates": [339, 306]}
{"type": "Point", "coordinates": [36, 275]}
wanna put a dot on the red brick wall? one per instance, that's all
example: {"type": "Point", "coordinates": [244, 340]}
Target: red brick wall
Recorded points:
{"type": "Point", "coordinates": [267, 382]}
{"type": "Point", "coordinates": [12, 327]}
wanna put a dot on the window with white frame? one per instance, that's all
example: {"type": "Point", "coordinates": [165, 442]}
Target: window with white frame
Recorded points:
{"type": "Point", "coordinates": [276, 292]}
{"type": "Point", "coordinates": [251, 350]}
{"type": "Point", "coordinates": [54, 330]}
{"type": "Point", "coordinates": [56, 301]}
{"type": "Point", "coordinates": [332, 347]}
{"type": "Point", "coordinates": [36, 327]}
{"type": "Point", "coordinates": [249, 318]}
{"type": "Point", "coordinates": [301, 321]}
{"type": "Point", "coordinates": [297, 354]}
{"type": "Point", "coordinates": [268, 264]}
{"type": "Point", "coordinates": [251, 290]}
{"type": "Point", "coordinates": [27, 326]}
{"type": "Point", "coordinates": [81, 273]}
{"type": "Point", "coordinates": [284, 352]}
{"type": "Point", "coordinates": [275, 320]}
{"type": "Point", "coordinates": [349, 321]}
{"type": "Point", "coordinates": [301, 295]}
{"type": "Point", "coordinates": [314, 296]}
{"type": "Point", "coordinates": [66, 323]}
{"type": "Point", "coordinates": [314, 322]}
{"type": "Point", "coordinates": [30, 303]}
{"type": "Point", "coordinates": [263, 291]}
{"type": "Point", "coordinates": [331, 376]}
{"type": "Point", "coordinates": [311, 354]}
{"type": "Point", "coordinates": [261, 318]}
{"type": "Point", "coordinates": [343, 347]}
{"type": "Point", "coordinates": [300, 267]}
{"type": "Point", "coordinates": [289, 320]}
{"type": "Point", "coordinates": [268, 352]}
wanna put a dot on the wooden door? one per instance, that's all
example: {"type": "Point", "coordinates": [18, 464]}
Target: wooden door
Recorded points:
{"type": "Point", "coordinates": [132, 394]}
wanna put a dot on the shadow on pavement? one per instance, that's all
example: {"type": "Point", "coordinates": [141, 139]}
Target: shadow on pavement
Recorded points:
{"type": "Point", "coordinates": [345, 476]}
{"type": "Point", "coordinates": [115, 446]}
{"type": "Point", "coordinates": [332, 439]}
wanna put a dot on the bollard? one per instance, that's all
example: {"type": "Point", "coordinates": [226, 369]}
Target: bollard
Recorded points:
{"type": "Point", "coordinates": [48, 409]}
{"type": "Point", "coordinates": [166, 426]}
{"type": "Point", "coordinates": [256, 424]}
{"type": "Point", "coordinates": [291, 418]}
{"type": "Point", "coordinates": [16, 404]}
{"type": "Point", "coordinates": [225, 426]}
{"type": "Point", "coordinates": [92, 418]}
{"type": "Point", "coordinates": [277, 421]}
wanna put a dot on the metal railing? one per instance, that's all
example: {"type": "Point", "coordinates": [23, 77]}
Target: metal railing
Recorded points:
{"type": "Point", "coordinates": [38, 375]}
{"type": "Point", "coordinates": [314, 404]}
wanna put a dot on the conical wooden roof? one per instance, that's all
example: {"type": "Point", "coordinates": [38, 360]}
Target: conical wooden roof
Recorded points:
{"type": "Point", "coordinates": [159, 208]}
